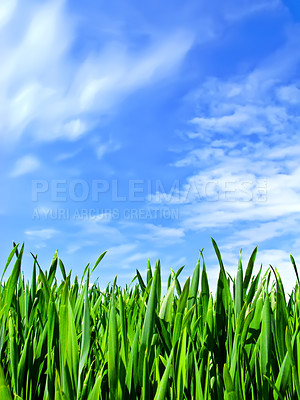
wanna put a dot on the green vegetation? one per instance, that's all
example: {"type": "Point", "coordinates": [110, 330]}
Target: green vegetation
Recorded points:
{"type": "Point", "coordinates": [71, 340]}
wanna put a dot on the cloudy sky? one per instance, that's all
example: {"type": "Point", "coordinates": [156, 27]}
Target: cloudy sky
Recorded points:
{"type": "Point", "coordinates": [145, 128]}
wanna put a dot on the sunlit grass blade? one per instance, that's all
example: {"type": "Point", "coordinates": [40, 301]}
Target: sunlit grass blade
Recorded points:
{"type": "Point", "coordinates": [164, 383]}
{"type": "Point", "coordinates": [249, 271]}
{"type": "Point", "coordinates": [11, 284]}
{"type": "Point", "coordinates": [229, 386]}
{"type": "Point", "coordinates": [98, 261]}
{"type": "Point", "coordinates": [265, 344]}
{"type": "Point", "coordinates": [194, 285]}
{"type": "Point", "coordinates": [147, 330]}
{"type": "Point", "coordinates": [113, 352]}
{"type": "Point", "coordinates": [10, 257]}
{"type": "Point", "coordinates": [238, 298]}
{"type": "Point", "coordinates": [295, 268]}
{"type": "Point", "coordinates": [85, 338]}
{"type": "Point", "coordinates": [5, 393]}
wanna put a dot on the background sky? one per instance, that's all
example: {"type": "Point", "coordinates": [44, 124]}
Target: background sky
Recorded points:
{"type": "Point", "coordinates": [145, 128]}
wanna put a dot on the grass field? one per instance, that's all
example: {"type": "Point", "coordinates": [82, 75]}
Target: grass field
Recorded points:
{"type": "Point", "coordinates": [68, 339]}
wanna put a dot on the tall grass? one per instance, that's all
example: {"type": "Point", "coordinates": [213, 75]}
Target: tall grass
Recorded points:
{"type": "Point", "coordinates": [71, 340]}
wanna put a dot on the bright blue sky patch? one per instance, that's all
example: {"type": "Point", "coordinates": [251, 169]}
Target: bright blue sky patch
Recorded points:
{"type": "Point", "coordinates": [144, 128]}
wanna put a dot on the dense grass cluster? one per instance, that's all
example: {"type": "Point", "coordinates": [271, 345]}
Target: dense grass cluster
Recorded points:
{"type": "Point", "coordinates": [72, 340]}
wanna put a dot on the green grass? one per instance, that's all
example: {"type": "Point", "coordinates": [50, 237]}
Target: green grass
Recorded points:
{"type": "Point", "coordinates": [68, 339]}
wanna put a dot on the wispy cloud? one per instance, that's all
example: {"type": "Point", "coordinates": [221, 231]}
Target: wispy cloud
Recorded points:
{"type": "Point", "coordinates": [106, 148]}
{"type": "Point", "coordinates": [7, 8]}
{"type": "Point", "coordinates": [76, 246]}
{"type": "Point", "coordinates": [263, 231]}
{"type": "Point", "coordinates": [289, 93]}
{"type": "Point", "coordinates": [161, 234]}
{"type": "Point", "coordinates": [130, 257]}
{"type": "Point", "coordinates": [63, 97]}
{"type": "Point", "coordinates": [104, 79]}
{"type": "Point", "coordinates": [25, 165]}
{"type": "Point", "coordinates": [41, 234]}
{"type": "Point", "coordinates": [245, 152]}
{"type": "Point", "coordinates": [31, 93]}
{"type": "Point", "coordinates": [66, 156]}
{"type": "Point", "coordinates": [98, 224]}
{"type": "Point", "coordinates": [246, 8]}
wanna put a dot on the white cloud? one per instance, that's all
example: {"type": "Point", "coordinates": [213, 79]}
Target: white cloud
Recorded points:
{"type": "Point", "coordinates": [161, 234]}
{"type": "Point", "coordinates": [289, 93]}
{"type": "Point", "coordinates": [142, 257]}
{"type": "Point", "coordinates": [92, 223]}
{"type": "Point", "coordinates": [105, 148]}
{"type": "Point", "coordinates": [288, 152]}
{"type": "Point", "coordinates": [33, 69]}
{"type": "Point", "coordinates": [224, 123]}
{"type": "Point", "coordinates": [74, 129]}
{"type": "Point", "coordinates": [232, 116]}
{"type": "Point", "coordinates": [263, 231]}
{"type": "Point", "coordinates": [197, 156]}
{"type": "Point", "coordinates": [225, 199]}
{"type": "Point", "coordinates": [246, 8]}
{"type": "Point", "coordinates": [25, 165]}
{"type": "Point", "coordinates": [104, 79]}
{"type": "Point", "coordinates": [75, 246]}
{"type": "Point", "coordinates": [121, 256]}
{"type": "Point", "coordinates": [43, 86]}
{"type": "Point", "coordinates": [7, 7]}
{"type": "Point", "coordinates": [126, 257]}
{"type": "Point", "coordinates": [41, 234]}
{"type": "Point", "coordinates": [66, 156]}
{"type": "Point", "coordinates": [243, 166]}
{"type": "Point", "coordinates": [122, 249]}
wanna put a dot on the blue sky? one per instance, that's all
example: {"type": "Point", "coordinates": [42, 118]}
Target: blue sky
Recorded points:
{"type": "Point", "coordinates": [145, 128]}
